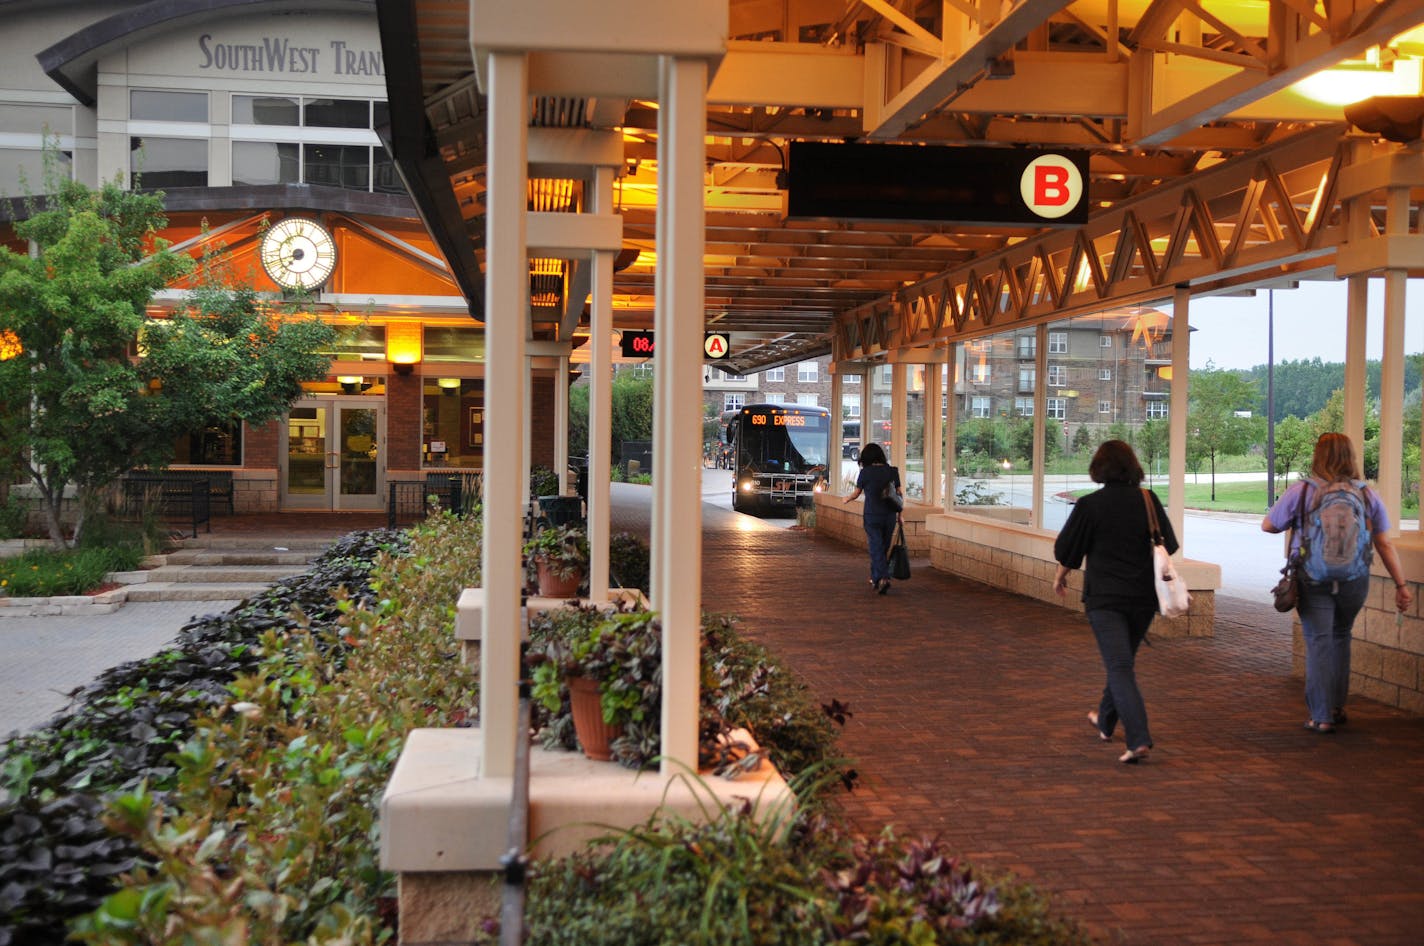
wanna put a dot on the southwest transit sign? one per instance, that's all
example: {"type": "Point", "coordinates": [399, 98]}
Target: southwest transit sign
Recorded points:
{"type": "Point", "coordinates": [981, 186]}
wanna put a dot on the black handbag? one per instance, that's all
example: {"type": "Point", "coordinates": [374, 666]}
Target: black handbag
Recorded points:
{"type": "Point", "coordinates": [892, 496]}
{"type": "Point", "coordinates": [899, 555]}
{"type": "Point", "coordinates": [1287, 591]}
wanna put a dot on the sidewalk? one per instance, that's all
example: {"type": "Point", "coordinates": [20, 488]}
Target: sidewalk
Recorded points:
{"type": "Point", "coordinates": [969, 725]}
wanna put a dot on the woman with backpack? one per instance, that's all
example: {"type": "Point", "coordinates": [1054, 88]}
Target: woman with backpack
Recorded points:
{"type": "Point", "coordinates": [1337, 522]}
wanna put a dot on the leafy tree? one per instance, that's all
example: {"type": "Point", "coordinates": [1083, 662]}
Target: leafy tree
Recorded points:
{"type": "Point", "coordinates": [578, 420]}
{"type": "Point", "coordinates": [97, 390]}
{"type": "Point", "coordinates": [1213, 401]}
{"type": "Point", "coordinates": [1152, 443]}
{"type": "Point", "coordinates": [1295, 442]}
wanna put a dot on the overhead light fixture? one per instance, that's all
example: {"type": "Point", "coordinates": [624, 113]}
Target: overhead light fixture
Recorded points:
{"type": "Point", "coordinates": [449, 385]}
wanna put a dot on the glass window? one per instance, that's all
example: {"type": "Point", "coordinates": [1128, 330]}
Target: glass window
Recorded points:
{"type": "Point", "coordinates": [979, 372]}
{"type": "Point", "coordinates": [145, 105]}
{"type": "Point", "coordinates": [807, 372]}
{"type": "Point", "coordinates": [980, 406]}
{"type": "Point", "coordinates": [454, 422]}
{"type": "Point", "coordinates": [359, 343]}
{"type": "Point", "coordinates": [336, 113]}
{"type": "Point", "coordinates": [1023, 406]}
{"type": "Point", "coordinates": [644, 370]}
{"type": "Point", "coordinates": [454, 343]}
{"type": "Point", "coordinates": [1105, 407]}
{"type": "Point", "coordinates": [384, 179]}
{"type": "Point", "coordinates": [807, 400]}
{"type": "Point", "coordinates": [1104, 374]}
{"type": "Point", "coordinates": [217, 445]}
{"type": "Point", "coordinates": [265, 162]}
{"type": "Point", "coordinates": [380, 114]}
{"type": "Point", "coordinates": [1104, 341]}
{"type": "Point", "coordinates": [1027, 377]}
{"type": "Point", "coordinates": [852, 379]}
{"type": "Point", "coordinates": [733, 401]}
{"type": "Point", "coordinates": [775, 375]}
{"type": "Point", "coordinates": [168, 162]}
{"type": "Point", "coordinates": [1056, 408]}
{"type": "Point", "coordinates": [1027, 345]}
{"type": "Point", "coordinates": [1057, 376]}
{"type": "Point", "coordinates": [20, 166]}
{"type": "Point", "coordinates": [347, 166]}
{"type": "Point", "coordinates": [266, 110]}
{"type": "Point", "coordinates": [1057, 343]}
{"type": "Point", "coordinates": [1157, 410]}
{"type": "Point", "coordinates": [852, 406]}
{"type": "Point", "coordinates": [883, 376]}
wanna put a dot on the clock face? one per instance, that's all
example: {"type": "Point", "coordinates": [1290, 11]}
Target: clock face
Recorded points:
{"type": "Point", "coordinates": [298, 253]}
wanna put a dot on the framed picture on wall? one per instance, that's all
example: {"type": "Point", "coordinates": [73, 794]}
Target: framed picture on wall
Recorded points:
{"type": "Point", "coordinates": [476, 436]}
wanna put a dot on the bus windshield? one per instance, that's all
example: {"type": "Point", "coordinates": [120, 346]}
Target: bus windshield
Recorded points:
{"type": "Point", "coordinates": [787, 441]}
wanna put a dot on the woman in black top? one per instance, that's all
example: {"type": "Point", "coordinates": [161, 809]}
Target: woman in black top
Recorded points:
{"type": "Point", "coordinates": [1110, 528]}
{"type": "Point", "coordinates": [878, 516]}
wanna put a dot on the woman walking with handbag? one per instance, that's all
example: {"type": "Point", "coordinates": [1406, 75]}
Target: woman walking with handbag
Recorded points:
{"type": "Point", "coordinates": [1328, 605]}
{"type": "Point", "coordinates": [1110, 527]}
{"type": "Point", "coordinates": [879, 482]}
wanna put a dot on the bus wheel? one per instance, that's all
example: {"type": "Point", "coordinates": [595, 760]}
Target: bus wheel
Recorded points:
{"type": "Point", "coordinates": [855, 453]}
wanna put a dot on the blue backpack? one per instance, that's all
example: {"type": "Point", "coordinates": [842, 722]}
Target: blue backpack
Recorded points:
{"type": "Point", "coordinates": [1336, 544]}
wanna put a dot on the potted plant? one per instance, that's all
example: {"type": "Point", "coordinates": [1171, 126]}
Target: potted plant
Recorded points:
{"type": "Point", "coordinates": [558, 557]}
{"type": "Point", "coordinates": [603, 666]}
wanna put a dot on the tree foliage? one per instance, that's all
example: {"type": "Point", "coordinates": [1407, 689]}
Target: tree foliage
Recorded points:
{"type": "Point", "coordinates": [98, 388]}
{"type": "Point", "coordinates": [1215, 429]}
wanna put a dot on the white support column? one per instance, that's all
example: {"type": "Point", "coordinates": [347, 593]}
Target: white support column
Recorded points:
{"type": "Point", "coordinates": [951, 421]}
{"type": "Point", "coordinates": [561, 422]}
{"type": "Point", "coordinates": [527, 443]}
{"type": "Point", "coordinates": [1356, 322]}
{"type": "Point", "coordinates": [1391, 435]}
{"type": "Point", "coordinates": [677, 463]}
{"type": "Point", "coordinates": [1042, 430]}
{"type": "Point", "coordinates": [934, 431]}
{"type": "Point", "coordinates": [506, 323]}
{"type": "Point", "coordinates": [1177, 423]}
{"type": "Point", "coordinates": [600, 397]}
{"type": "Point", "coordinates": [899, 441]}
{"type": "Point", "coordinates": [833, 462]}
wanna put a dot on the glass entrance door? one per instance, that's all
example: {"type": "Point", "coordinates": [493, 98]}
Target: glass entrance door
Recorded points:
{"type": "Point", "coordinates": [334, 458]}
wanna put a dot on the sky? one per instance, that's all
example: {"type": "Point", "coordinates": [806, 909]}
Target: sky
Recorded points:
{"type": "Point", "coordinates": [1309, 321]}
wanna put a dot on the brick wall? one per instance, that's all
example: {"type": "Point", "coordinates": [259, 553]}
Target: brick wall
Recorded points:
{"type": "Point", "coordinates": [404, 421]}
{"type": "Point", "coordinates": [1387, 653]}
{"type": "Point", "coordinates": [541, 422]}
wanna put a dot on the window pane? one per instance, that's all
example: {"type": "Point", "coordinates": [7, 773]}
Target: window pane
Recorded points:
{"type": "Point", "coordinates": [452, 434]}
{"type": "Point", "coordinates": [17, 164]}
{"type": "Point", "coordinates": [266, 110]}
{"type": "Point", "coordinates": [336, 113]}
{"type": "Point", "coordinates": [993, 445]}
{"type": "Point", "coordinates": [387, 181]}
{"type": "Point", "coordinates": [218, 445]}
{"type": "Point", "coordinates": [145, 105]}
{"type": "Point", "coordinates": [453, 343]}
{"type": "Point", "coordinates": [359, 343]}
{"type": "Point", "coordinates": [345, 166]}
{"type": "Point", "coordinates": [264, 162]}
{"type": "Point", "coordinates": [380, 114]}
{"type": "Point", "coordinates": [168, 162]}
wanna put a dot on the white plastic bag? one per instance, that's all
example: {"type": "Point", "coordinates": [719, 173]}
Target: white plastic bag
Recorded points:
{"type": "Point", "coordinates": [1172, 598]}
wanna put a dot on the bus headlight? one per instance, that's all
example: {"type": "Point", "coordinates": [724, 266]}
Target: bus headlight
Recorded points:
{"type": "Point", "coordinates": [749, 486]}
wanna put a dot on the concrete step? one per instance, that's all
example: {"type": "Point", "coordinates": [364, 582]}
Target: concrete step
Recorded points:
{"type": "Point", "coordinates": [219, 574]}
{"type": "Point", "coordinates": [300, 557]}
{"type": "Point", "coordinates": [193, 591]}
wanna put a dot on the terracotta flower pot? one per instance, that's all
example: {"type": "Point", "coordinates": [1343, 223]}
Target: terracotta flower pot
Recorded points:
{"type": "Point", "coordinates": [552, 586]}
{"type": "Point", "coordinates": [593, 733]}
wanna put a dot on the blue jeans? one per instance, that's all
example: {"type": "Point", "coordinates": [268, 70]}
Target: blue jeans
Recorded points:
{"type": "Point", "coordinates": [1327, 613]}
{"type": "Point", "coordinates": [879, 533]}
{"type": "Point", "coordinates": [1119, 634]}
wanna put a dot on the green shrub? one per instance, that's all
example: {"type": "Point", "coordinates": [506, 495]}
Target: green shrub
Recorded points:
{"type": "Point", "coordinates": [14, 514]}
{"type": "Point", "coordinates": [738, 880]}
{"type": "Point", "coordinates": [628, 561]}
{"type": "Point", "coordinates": [742, 686]}
{"type": "Point", "coordinates": [45, 572]}
{"type": "Point", "coordinates": [543, 482]}
{"type": "Point", "coordinates": [270, 834]}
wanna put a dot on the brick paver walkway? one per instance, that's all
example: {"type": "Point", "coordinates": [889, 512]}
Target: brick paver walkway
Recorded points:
{"type": "Point", "coordinates": [970, 725]}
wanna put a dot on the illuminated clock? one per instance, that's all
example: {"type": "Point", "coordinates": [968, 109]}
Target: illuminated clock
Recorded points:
{"type": "Point", "coordinates": [298, 253]}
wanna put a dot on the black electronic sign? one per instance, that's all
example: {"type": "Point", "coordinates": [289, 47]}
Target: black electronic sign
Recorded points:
{"type": "Point", "coordinates": [636, 344]}
{"type": "Point", "coordinates": [966, 185]}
